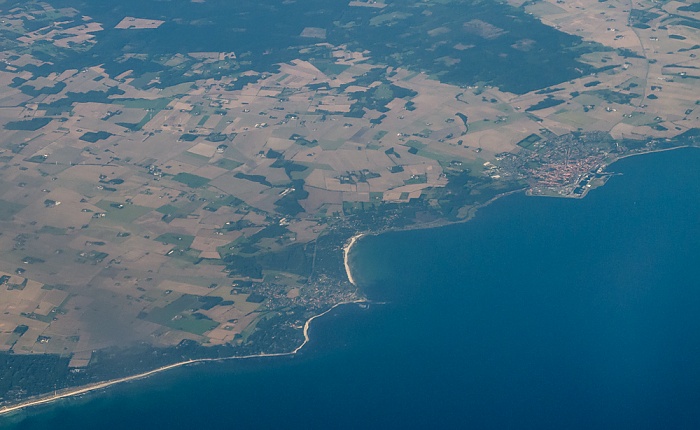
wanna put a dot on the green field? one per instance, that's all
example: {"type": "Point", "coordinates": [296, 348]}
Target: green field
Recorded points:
{"type": "Point", "coordinates": [529, 141]}
{"type": "Point", "coordinates": [92, 137]}
{"type": "Point", "coordinates": [330, 67]}
{"type": "Point", "coordinates": [227, 164]}
{"type": "Point", "coordinates": [183, 241]}
{"type": "Point", "coordinates": [9, 209]}
{"type": "Point", "coordinates": [156, 104]}
{"type": "Point", "coordinates": [176, 315]}
{"type": "Point", "coordinates": [193, 159]}
{"type": "Point", "coordinates": [192, 324]}
{"type": "Point", "coordinates": [127, 214]}
{"type": "Point", "coordinates": [52, 230]}
{"type": "Point", "coordinates": [202, 120]}
{"type": "Point", "coordinates": [184, 259]}
{"type": "Point", "coordinates": [168, 209]}
{"type": "Point", "coordinates": [192, 181]}
{"type": "Point", "coordinates": [379, 135]}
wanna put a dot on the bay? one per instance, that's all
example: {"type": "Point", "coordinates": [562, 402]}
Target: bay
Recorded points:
{"type": "Point", "coordinates": [538, 313]}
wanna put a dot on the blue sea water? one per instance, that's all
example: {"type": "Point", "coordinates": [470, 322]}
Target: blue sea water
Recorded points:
{"type": "Point", "coordinates": [537, 314]}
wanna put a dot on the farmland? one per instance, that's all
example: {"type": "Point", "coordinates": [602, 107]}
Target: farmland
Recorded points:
{"type": "Point", "coordinates": [171, 198]}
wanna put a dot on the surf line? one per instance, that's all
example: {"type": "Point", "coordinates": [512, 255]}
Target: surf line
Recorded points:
{"type": "Point", "coordinates": [47, 399]}
{"type": "Point", "coordinates": [346, 256]}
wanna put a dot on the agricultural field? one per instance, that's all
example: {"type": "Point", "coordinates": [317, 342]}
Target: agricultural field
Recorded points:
{"type": "Point", "coordinates": [165, 197]}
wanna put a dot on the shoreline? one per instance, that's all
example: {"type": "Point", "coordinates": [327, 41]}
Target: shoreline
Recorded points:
{"type": "Point", "coordinates": [609, 174]}
{"type": "Point", "coordinates": [86, 389]}
{"type": "Point", "coordinates": [653, 151]}
{"type": "Point", "coordinates": [77, 391]}
{"type": "Point", "coordinates": [346, 256]}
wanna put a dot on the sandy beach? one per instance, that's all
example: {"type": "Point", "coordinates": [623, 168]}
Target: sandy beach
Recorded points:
{"type": "Point", "coordinates": [346, 253]}
{"type": "Point", "coordinates": [78, 391]}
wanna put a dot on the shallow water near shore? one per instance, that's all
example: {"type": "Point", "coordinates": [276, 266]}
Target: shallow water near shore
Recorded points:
{"type": "Point", "coordinates": [538, 313]}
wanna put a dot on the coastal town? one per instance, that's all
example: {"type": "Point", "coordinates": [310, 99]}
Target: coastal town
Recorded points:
{"type": "Point", "coordinates": [203, 204]}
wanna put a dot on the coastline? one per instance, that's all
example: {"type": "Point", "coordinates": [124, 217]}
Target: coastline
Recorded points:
{"type": "Point", "coordinates": [86, 389]}
{"type": "Point", "coordinates": [78, 391]}
{"type": "Point", "coordinates": [346, 256]}
{"type": "Point", "coordinates": [605, 167]}
{"type": "Point", "coordinates": [609, 174]}
{"type": "Point", "coordinates": [652, 151]}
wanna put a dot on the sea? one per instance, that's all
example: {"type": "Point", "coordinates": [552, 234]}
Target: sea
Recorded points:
{"type": "Point", "coordinates": [539, 313]}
